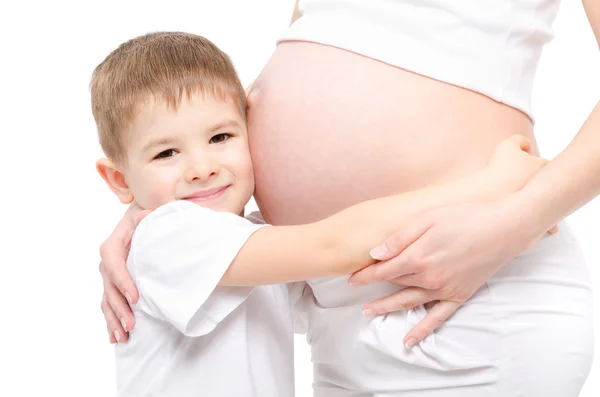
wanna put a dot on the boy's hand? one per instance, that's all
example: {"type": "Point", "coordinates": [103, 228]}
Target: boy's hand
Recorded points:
{"type": "Point", "coordinates": [119, 289]}
{"type": "Point", "coordinates": [511, 166]}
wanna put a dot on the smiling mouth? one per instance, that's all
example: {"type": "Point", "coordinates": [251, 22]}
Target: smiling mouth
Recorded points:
{"type": "Point", "coordinates": [207, 195]}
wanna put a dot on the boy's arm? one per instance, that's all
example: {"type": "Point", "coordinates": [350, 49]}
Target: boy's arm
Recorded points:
{"type": "Point", "coordinates": [340, 244]}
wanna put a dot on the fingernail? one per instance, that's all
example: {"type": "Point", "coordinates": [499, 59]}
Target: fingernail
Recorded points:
{"type": "Point", "coordinates": [124, 324]}
{"type": "Point", "coordinates": [128, 297]}
{"type": "Point", "coordinates": [368, 312]}
{"type": "Point", "coordinates": [379, 252]}
{"type": "Point", "coordinates": [116, 333]}
{"type": "Point", "coordinates": [410, 343]}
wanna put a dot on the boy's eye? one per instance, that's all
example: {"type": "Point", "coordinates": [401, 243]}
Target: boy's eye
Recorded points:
{"type": "Point", "coordinates": [165, 154]}
{"type": "Point", "coordinates": [220, 138]}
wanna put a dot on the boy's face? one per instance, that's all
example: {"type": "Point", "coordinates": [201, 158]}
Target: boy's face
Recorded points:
{"type": "Point", "coordinates": [197, 152]}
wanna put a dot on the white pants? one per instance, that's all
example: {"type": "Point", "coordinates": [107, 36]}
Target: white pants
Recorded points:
{"type": "Point", "coordinates": [527, 332]}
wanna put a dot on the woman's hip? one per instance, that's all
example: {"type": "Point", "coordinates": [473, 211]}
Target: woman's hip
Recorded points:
{"type": "Point", "coordinates": [527, 332]}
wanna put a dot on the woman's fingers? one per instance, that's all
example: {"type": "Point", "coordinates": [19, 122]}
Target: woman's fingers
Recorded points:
{"type": "Point", "coordinates": [420, 280]}
{"type": "Point", "coordinates": [436, 316]}
{"type": "Point", "coordinates": [406, 263]}
{"type": "Point", "coordinates": [408, 298]}
{"type": "Point", "coordinates": [380, 271]}
{"type": "Point", "coordinates": [395, 254]}
{"type": "Point", "coordinates": [398, 242]}
{"type": "Point", "coordinates": [365, 276]}
{"type": "Point", "coordinates": [396, 267]}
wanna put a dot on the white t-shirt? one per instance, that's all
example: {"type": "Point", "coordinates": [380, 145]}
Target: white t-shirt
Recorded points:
{"type": "Point", "coordinates": [192, 337]}
{"type": "Point", "coordinates": [490, 47]}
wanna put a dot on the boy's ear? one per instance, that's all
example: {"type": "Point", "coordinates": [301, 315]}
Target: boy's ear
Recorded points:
{"type": "Point", "coordinates": [114, 179]}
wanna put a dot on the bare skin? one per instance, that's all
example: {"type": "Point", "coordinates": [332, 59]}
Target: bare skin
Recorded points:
{"type": "Point", "coordinates": [308, 109]}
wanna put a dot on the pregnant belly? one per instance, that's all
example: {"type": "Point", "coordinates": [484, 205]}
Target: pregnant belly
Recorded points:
{"type": "Point", "coordinates": [329, 128]}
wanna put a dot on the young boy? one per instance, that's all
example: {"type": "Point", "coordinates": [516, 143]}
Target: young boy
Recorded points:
{"type": "Point", "coordinates": [170, 112]}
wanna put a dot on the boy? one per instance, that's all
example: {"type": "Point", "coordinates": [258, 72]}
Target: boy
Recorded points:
{"type": "Point", "coordinates": [170, 112]}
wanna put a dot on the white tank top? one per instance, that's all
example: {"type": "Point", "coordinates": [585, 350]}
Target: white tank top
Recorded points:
{"type": "Point", "coordinates": [488, 46]}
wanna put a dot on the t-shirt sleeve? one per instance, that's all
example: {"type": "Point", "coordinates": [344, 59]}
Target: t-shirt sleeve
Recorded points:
{"type": "Point", "coordinates": [180, 253]}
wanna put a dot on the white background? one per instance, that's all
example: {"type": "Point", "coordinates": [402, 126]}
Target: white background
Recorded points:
{"type": "Point", "coordinates": [55, 210]}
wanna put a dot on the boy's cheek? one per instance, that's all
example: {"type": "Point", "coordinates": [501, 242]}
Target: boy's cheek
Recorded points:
{"type": "Point", "coordinates": [154, 190]}
{"type": "Point", "coordinates": [244, 163]}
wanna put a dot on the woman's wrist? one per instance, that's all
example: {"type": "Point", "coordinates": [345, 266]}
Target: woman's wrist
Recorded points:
{"type": "Point", "coordinates": [565, 184]}
{"type": "Point", "coordinates": [528, 214]}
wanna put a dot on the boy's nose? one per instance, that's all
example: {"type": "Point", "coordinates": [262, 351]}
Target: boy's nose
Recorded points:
{"type": "Point", "coordinates": [201, 169]}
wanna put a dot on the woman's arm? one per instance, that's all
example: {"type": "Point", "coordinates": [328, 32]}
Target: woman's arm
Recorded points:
{"type": "Point", "coordinates": [511, 225]}
{"type": "Point", "coordinates": [592, 10]}
{"type": "Point", "coordinates": [571, 179]}
{"type": "Point", "coordinates": [340, 244]}
{"type": "Point", "coordinates": [296, 13]}
{"type": "Point", "coordinates": [568, 182]}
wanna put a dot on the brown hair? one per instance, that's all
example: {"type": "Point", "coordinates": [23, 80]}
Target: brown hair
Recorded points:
{"type": "Point", "coordinates": [164, 65]}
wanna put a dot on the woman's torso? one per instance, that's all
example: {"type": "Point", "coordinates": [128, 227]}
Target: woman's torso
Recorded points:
{"type": "Point", "coordinates": [329, 128]}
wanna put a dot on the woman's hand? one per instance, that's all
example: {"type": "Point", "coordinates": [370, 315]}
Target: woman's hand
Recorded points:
{"type": "Point", "coordinates": [119, 289]}
{"type": "Point", "coordinates": [445, 255]}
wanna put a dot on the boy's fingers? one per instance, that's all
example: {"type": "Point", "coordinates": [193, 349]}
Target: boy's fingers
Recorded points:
{"type": "Point", "coordinates": [119, 307]}
{"type": "Point", "coordinates": [139, 218]}
{"type": "Point", "coordinates": [523, 142]}
{"type": "Point", "coordinates": [114, 253]}
{"type": "Point", "coordinates": [116, 272]}
{"type": "Point", "coordinates": [119, 288]}
{"type": "Point", "coordinates": [435, 317]}
{"type": "Point", "coordinates": [113, 326]}
{"type": "Point", "coordinates": [122, 232]}
{"type": "Point", "coordinates": [121, 236]}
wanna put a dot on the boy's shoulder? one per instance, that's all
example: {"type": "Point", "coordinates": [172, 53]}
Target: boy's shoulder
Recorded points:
{"type": "Point", "coordinates": [183, 212]}
{"type": "Point", "coordinates": [175, 207]}
{"type": "Point", "coordinates": [182, 219]}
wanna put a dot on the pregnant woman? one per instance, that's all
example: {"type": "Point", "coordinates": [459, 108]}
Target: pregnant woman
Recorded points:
{"type": "Point", "coordinates": [366, 98]}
